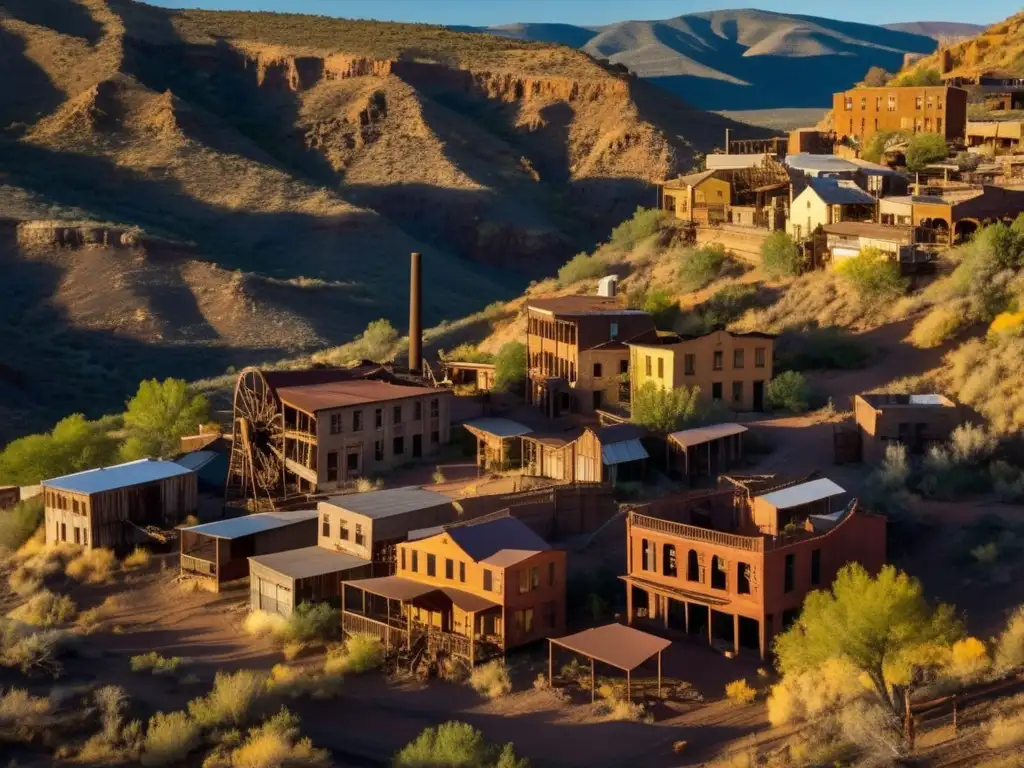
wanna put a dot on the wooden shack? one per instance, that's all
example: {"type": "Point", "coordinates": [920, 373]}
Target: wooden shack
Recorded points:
{"type": "Point", "coordinates": [497, 442]}
{"type": "Point", "coordinates": [120, 506]}
{"type": "Point", "coordinates": [221, 550]}
{"type": "Point", "coordinates": [610, 454]}
{"type": "Point", "coordinates": [280, 582]}
{"type": "Point", "coordinates": [480, 376]}
{"type": "Point", "coordinates": [9, 496]}
{"type": "Point", "coordinates": [705, 450]}
{"type": "Point", "coordinates": [772, 512]}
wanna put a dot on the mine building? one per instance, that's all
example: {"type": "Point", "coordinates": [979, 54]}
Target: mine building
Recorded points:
{"type": "Point", "coordinates": [860, 113]}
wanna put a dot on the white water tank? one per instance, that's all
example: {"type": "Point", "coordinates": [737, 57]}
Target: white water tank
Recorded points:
{"type": "Point", "coordinates": [607, 286]}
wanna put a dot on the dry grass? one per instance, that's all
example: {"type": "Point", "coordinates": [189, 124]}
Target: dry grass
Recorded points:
{"type": "Point", "coordinates": [1006, 731]}
{"type": "Point", "coordinates": [360, 653]}
{"type": "Point", "coordinates": [740, 692]}
{"type": "Point", "coordinates": [23, 716]}
{"type": "Point", "coordinates": [170, 738]}
{"type": "Point", "coordinates": [30, 650]}
{"type": "Point", "coordinates": [366, 484]}
{"type": "Point", "coordinates": [1009, 652]}
{"type": "Point", "coordinates": [799, 697]}
{"type": "Point", "coordinates": [262, 623]}
{"type": "Point", "coordinates": [938, 326]}
{"type": "Point", "coordinates": [968, 658]}
{"type": "Point", "coordinates": [91, 619]}
{"type": "Point", "coordinates": [94, 566]}
{"type": "Point", "coordinates": [491, 679]}
{"type": "Point", "coordinates": [231, 702]}
{"type": "Point", "coordinates": [156, 664]}
{"type": "Point", "coordinates": [985, 376]}
{"type": "Point", "coordinates": [139, 558]}
{"type": "Point", "coordinates": [614, 708]}
{"type": "Point", "coordinates": [45, 609]}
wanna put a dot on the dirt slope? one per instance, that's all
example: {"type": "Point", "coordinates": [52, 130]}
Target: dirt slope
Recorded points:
{"type": "Point", "coordinates": [998, 48]}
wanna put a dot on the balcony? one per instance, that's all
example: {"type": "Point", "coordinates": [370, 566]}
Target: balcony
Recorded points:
{"type": "Point", "coordinates": [696, 533]}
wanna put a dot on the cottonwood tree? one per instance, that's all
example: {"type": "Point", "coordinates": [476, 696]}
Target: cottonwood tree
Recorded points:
{"type": "Point", "coordinates": [509, 366]}
{"type": "Point", "coordinates": [74, 444]}
{"type": "Point", "coordinates": [881, 625]}
{"type": "Point", "coordinates": [160, 414]}
{"type": "Point", "coordinates": [664, 410]}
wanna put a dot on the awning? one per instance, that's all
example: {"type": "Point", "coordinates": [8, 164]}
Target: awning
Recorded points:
{"type": "Point", "coordinates": [615, 644]}
{"type": "Point", "coordinates": [688, 438]}
{"type": "Point", "coordinates": [467, 601]}
{"type": "Point", "coordinates": [502, 428]}
{"type": "Point", "coordinates": [620, 453]}
{"type": "Point", "coordinates": [393, 587]}
{"type": "Point", "coordinates": [804, 493]}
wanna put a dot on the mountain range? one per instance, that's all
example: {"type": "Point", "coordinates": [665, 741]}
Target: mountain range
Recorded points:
{"type": "Point", "coordinates": [746, 59]}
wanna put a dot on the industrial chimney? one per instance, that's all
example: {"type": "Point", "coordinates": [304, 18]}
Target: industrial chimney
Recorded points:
{"type": "Point", "coordinates": [415, 316]}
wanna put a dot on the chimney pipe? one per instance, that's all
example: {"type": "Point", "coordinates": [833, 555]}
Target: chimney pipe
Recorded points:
{"type": "Point", "coordinates": [415, 316]}
{"type": "Point", "coordinates": [728, 134]}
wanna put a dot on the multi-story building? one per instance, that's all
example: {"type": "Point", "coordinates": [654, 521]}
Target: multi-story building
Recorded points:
{"type": "Point", "coordinates": [473, 590]}
{"type": "Point", "coordinates": [730, 367]}
{"type": "Point", "coordinates": [576, 353]}
{"type": "Point", "coordinates": [702, 565]}
{"type": "Point", "coordinates": [751, 191]}
{"type": "Point", "coordinates": [829, 201]}
{"type": "Point", "coordinates": [863, 112]}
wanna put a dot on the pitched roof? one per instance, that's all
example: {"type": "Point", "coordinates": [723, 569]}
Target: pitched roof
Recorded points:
{"type": "Point", "coordinates": [247, 525]}
{"type": "Point", "coordinates": [118, 476]}
{"type": "Point", "coordinates": [502, 542]}
{"type": "Point", "coordinates": [839, 192]}
{"type": "Point", "coordinates": [618, 433]}
{"type": "Point", "coordinates": [616, 644]}
{"type": "Point", "coordinates": [405, 590]}
{"type": "Point", "coordinates": [390, 502]}
{"type": "Point", "coordinates": [692, 179]}
{"type": "Point", "coordinates": [623, 452]}
{"type": "Point", "coordinates": [582, 305]}
{"type": "Point", "coordinates": [687, 438]}
{"type": "Point", "coordinates": [307, 562]}
{"type": "Point", "coordinates": [312, 376]}
{"type": "Point", "coordinates": [338, 394]}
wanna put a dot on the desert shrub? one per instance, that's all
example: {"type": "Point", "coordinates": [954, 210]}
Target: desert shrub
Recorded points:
{"type": "Point", "coordinates": [968, 657]}
{"type": "Point", "coordinates": [983, 375]}
{"type": "Point", "coordinates": [617, 708]}
{"type": "Point", "coordinates": [277, 743]}
{"type": "Point", "coordinates": [169, 738]}
{"type": "Point", "coordinates": [455, 745]}
{"type": "Point", "coordinates": [45, 609]}
{"type": "Point", "coordinates": [700, 266]}
{"type": "Point", "coordinates": [740, 692]}
{"type": "Point", "coordinates": [159, 415]}
{"type": "Point", "coordinates": [644, 223]}
{"type": "Point", "coordinates": [664, 410]}
{"type": "Point", "coordinates": [895, 468]}
{"type": "Point", "coordinates": [727, 304]}
{"type": "Point", "coordinates": [925, 148]}
{"type": "Point", "coordinates": [788, 391]}
{"type": "Point", "coordinates": [117, 741]}
{"type": "Point", "coordinates": [491, 679]}
{"type": "Point", "coordinates": [875, 730]}
{"type": "Point", "coordinates": [970, 444]}
{"type": "Point", "coordinates": [312, 623]}
{"type": "Point", "coordinates": [876, 77]}
{"type": "Point", "coordinates": [874, 148]}
{"type": "Point", "coordinates": [260, 623]}
{"type": "Point", "coordinates": [73, 445]}
{"type": "Point", "coordinates": [582, 267]}
{"type": "Point", "coordinates": [93, 566]}
{"type": "Point", "coordinates": [379, 342]}
{"type": "Point", "coordinates": [232, 700]}
{"type": "Point", "coordinates": [827, 348]}
{"type": "Point", "coordinates": [467, 353]}
{"type": "Point", "coordinates": [1007, 482]}
{"type": "Point", "coordinates": [1007, 322]}
{"type": "Point", "coordinates": [781, 256]}
{"type": "Point", "coordinates": [1009, 652]}
{"type": "Point", "coordinates": [938, 326]}
{"type": "Point", "coordinates": [24, 648]}
{"type": "Point", "coordinates": [18, 523]}
{"type": "Point", "coordinates": [156, 664]}
{"type": "Point", "coordinates": [874, 277]}
{"type": "Point", "coordinates": [1006, 731]}
{"type": "Point", "coordinates": [438, 476]}
{"type": "Point", "coordinates": [23, 716]}
{"type": "Point", "coordinates": [509, 366]}
{"type": "Point", "coordinates": [139, 558]}
{"type": "Point", "coordinates": [662, 306]}
{"type": "Point", "coordinates": [360, 653]}
{"type": "Point", "coordinates": [918, 77]}
{"type": "Point", "coordinates": [986, 554]}
{"type": "Point", "coordinates": [367, 484]}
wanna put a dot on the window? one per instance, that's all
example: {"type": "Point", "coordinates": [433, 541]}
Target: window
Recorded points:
{"type": "Point", "coordinates": [435, 408]}
{"type": "Point", "coordinates": [435, 437]}
{"type": "Point", "coordinates": [85, 538]}
{"type": "Point", "coordinates": [63, 532]}
{"type": "Point", "coordinates": [326, 528]}
{"type": "Point", "coordinates": [918, 102]}
{"type": "Point", "coordinates": [716, 390]}
{"type": "Point", "coordinates": [938, 125]}
{"type": "Point", "coordinates": [661, 368]}
{"type": "Point", "coordinates": [343, 529]}
{"type": "Point", "coordinates": [401, 554]}
{"type": "Point", "coordinates": [668, 560]}
{"type": "Point", "coordinates": [931, 101]}
{"type": "Point", "coordinates": [863, 103]}
{"type": "Point", "coordinates": [396, 415]}
{"type": "Point", "coordinates": [623, 366]}
{"type": "Point", "coordinates": [352, 461]}
{"type": "Point", "coordinates": [77, 536]}
{"type": "Point", "coordinates": [693, 566]}
{"type": "Point", "coordinates": [357, 421]}
{"type": "Point", "coordinates": [449, 568]}
{"type": "Point", "coordinates": [378, 418]}
{"type": "Point", "coordinates": [848, 103]}
{"type": "Point", "coordinates": [360, 539]}
{"type": "Point", "coordinates": [524, 581]}
{"type": "Point", "coordinates": [788, 576]}
{"type": "Point", "coordinates": [332, 467]}
{"type": "Point", "coordinates": [815, 567]}
{"type": "Point", "coordinates": [398, 446]}
{"type": "Point", "coordinates": [488, 580]}
{"type": "Point", "coordinates": [335, 423]}
{"type": "Point", "coordinates": [535, 578]}
{"type": "Point", "coordinates": [743, 574]}
{"type": "Point", "coordinates": [718, 575]}
{"type": "Point", "coordinates": [551, 574]}
{"type": "Point", "coordinates": [524, 621]}
{"type": "Point", "coordinates": [759, 357]}
{"type": "Point", "coordinates": [74, 506]}
{"type": "Point", "coordinates": [549, 614]}
{"type": "Point", "coordinates": [431, 564]}
{"type": "Point", "coordinates": [614, 331]}
{"type": "Point", "coordinates": [462, 572]}
{"type": "Point", "coordinates": [737, 391]}
{"type": "Point", "coordinates": [597, 370]}
{"type": "Point", "coordinates": [415, 561]}
{"type": "Point", "coordinates": [878, 106]}
{"type": "Point", "coordinates": [737, 358]}
{"type": "Point", "coordinates": [647, 555]}
{"type": "Point", "coordinates": [647, 365]}
{"type": "Point", "coordinates": [690, 364]}
{"type": "Point", "coordinates": [378, 450]}
{"type": "Point", "coordinates": [892, 103]}
{"type": "Point", "coordinates": [718, 360]}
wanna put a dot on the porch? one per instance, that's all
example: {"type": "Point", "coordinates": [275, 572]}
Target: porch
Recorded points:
{"type": "Point", "coordinates": [400, 611]}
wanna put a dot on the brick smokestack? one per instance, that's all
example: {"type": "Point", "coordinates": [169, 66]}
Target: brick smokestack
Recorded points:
{"type": "Point", "coordinates": [415, 315]}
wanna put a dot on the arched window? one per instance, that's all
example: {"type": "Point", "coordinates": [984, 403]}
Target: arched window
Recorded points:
{"type": "Point", "coordinates": [692, 566]}
{"type": "Point", "coordinates": [743, 578]}
{"type": "Point", "coordinates": [647, 556]}
{"type": "Point", "coordinates": [668, 560]}
{"type": "Point", "coordinates": [718, 576]}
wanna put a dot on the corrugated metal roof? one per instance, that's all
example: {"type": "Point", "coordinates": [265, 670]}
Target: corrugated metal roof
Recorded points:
{"type": "Point", "coordinates": [247, 525]}
{"type": "Point", "coordinates": [838, 192]}
{"type": "Point", "coordinates": [339, 394]}
{"type": "Point", "coordinates": [393, 587]}
{"type": "Point", "coordinates": [393, 501]}
{"type": "Point", "coordinates": [621, 452]}
{"type": "Point", "coordinates": [502, 542]}
{"type": "Point", "coordinates": [616, 644]}
{"type": "Point", "coordinates": [307, 562]}
{"type": "Point", "coordinates": [118, 476]}
{"type": "Point", "coordinates": [687, 438]}
{"type": "Point", "coordinates": [196, 459]}
{"type": "Point", "coordinates": [498, 427]}
{"type": "Point", "coordinates": [804, 493]}
{"type": "Point", "coordinates": [804, 161]}
{"type": "Point", "coordinates": [733, 161]}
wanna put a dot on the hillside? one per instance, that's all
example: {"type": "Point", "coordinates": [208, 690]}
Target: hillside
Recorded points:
{"type": "Point", "coordinates": [740, 59]}
{"type": "Point", "coordinates": [186, 191]}
{"type": "Point", "coordinates": [997, 48]}
{"type": "Point", "coordinates": [939, 30]}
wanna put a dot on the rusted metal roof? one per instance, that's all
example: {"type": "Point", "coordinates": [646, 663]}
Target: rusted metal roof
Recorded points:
{"type": "Point", "coordinates": [616, 644]}
{"type": "Point", "coordinates": [619, 433]}
{"type": "Point", "coordinates": [389, 502]}
{"type": "Point", "coordinates": [393, 587]}
{"type": "Point", "coordinates": [688, 438]}
{"type": "Point", "coordinates": [338, 394]}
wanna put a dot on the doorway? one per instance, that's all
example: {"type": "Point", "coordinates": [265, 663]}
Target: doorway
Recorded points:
{"type": "Point", "coordinates": [758, 395]}
{"type": "Point", "coordinates": [598, 399]}
{"type": "Point", "coordinates": [353, 460]}
{"type": "Point", "coordinates": [417, 446]}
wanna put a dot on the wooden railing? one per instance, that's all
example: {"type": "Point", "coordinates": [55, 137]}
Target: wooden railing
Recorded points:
{"type": "Point", "coordinates": [198, 565]}
{"type": "Point", "coordinates": [695, 533]}
{"type": "Point", "coordinates": [449, 642]}
{"type": "Point", "coordinates": [391, 635]}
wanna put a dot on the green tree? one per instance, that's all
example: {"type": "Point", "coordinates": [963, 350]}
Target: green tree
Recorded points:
{"type": "Point", "coordinates": [918, 77]}
{"type": "Point", "coordinates": [882, 625]}
{"type": "Point", "coordinates": [781, 255]}
{"type": "Point", "coordinates": [789, 391]}
{"type": "Point", "coordinates": [876, 77]}
{"type": "Point", "coordinates": [663, 307]}
{"type": "Point", "coordinates": [701, 266]}
{"type": "Point", "coordinates": [456, 745]}
{"type": "Point", "coordinates": [509, 366]}
{"type": "Point", "coordinates": [925, 148]}
{"type": "Point", "coordinates": [642, 224]}
{"type": "Point", "coordinates": [874, 276]}
{"type": "Point", "coordinates": [875, 147]}
{"type": "Point", "coordinates": [664, 410]}
{"type": "Point", "coordinates": [160, 414]}
{"type": "Point", "coordinates": [378, 342]}
{"type": "Point", "coordinates": [73, 445]}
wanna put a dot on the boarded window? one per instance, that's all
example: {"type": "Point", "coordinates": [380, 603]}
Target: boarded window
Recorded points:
{"type": "Point", "coordinates": [524, 621]}
{"type": "Point", "coordinates": [332, 467]}
{"type": "Point", "coordinates": [737, 358]}
{"type": "Point", "coordinates": [398, 446]}
{"type": "Point", "coordinates": [462, 572]}
{"type": "Point", "coordinates": [647, 364]}
{"type": "Point", "coordinates": [401, 553]}
{"type": "Point", "coordinates": [435, 408]}
{"type": "Point", "coordinates": [718, 360]}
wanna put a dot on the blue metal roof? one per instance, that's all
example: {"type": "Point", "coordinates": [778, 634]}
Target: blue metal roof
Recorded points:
{"type": "Point", "coordinates": [246, 525]}
{"type": "Point", "coordinates": [118, 476]}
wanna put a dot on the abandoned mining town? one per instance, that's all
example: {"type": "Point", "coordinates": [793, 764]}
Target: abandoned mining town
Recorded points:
{"type": "Point", "coordinates": [612, 585]}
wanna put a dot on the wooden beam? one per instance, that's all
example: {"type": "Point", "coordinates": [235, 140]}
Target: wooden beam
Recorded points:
{"type": "Point", "coordinates": [551, 663]}
{"type": "Point", "coordinates": [593, 686]}
{"type": "Point", "coordinates": [659, 673]}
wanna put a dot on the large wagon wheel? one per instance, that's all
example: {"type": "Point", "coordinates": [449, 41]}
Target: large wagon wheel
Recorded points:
{"type": "Point", "coordinates": [258, 439]}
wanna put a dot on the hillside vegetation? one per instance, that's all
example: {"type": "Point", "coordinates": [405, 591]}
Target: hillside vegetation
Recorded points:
{"type": "Point", "coordinates": [997, 48]}
{"type": "Point", "coordinates": [185, 191]}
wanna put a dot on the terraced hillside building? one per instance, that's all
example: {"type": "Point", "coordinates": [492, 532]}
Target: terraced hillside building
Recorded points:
{"type": "Point", "coordinates": [860, 113]}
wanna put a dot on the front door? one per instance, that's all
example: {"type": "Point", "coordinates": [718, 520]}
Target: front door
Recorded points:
{"type": "Point", "coordinates": [417, 445]}
{"type": "Point", "coordinates": [598, 398]}
{"type": "Point", "coordinates": [353, 462]}
{"type": "Point", "coordinates": [758, 395]}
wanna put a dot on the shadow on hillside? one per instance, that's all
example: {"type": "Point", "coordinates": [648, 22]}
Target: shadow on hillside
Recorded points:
{"type": "Point", "coordinates": [64, 16]}
{"type": "Point", "coordinates": [28, 93]}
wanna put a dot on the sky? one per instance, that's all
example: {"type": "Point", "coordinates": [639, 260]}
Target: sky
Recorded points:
{"type": "Point", "coordinates": [598, 12]}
